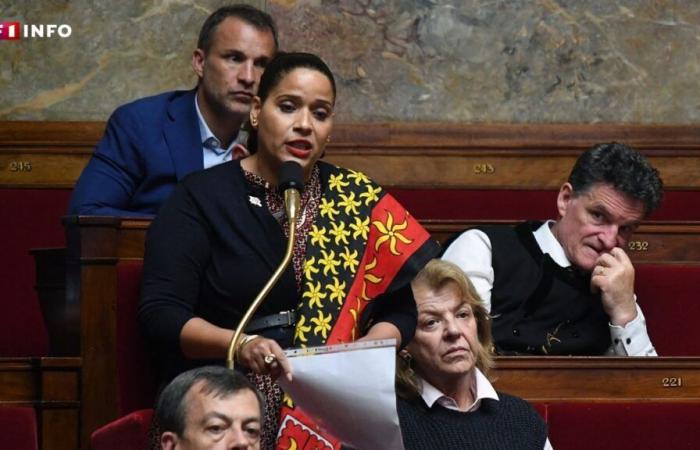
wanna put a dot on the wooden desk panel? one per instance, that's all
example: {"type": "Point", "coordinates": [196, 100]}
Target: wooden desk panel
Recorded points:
{"type": "Point", "coordinates": [40, 169]}
{"type": "Point", "coordinates": [468, 168]}
{"type": "Point", "coordinates": [17, 380]}
{"type": "Point", "coordinates": [52, 387]}
{"type": "Point", "coordinates": [95, 246]}
{"type": "Point", "coordinates": [421, 155]}
{"type": "Point", "coordinates": [45, 154]}
{"type": "Point", "coordinates": [541, 379]}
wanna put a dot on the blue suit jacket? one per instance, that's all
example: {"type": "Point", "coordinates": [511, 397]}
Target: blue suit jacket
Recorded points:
{"type": "Point", "coordinates": [148, 146]}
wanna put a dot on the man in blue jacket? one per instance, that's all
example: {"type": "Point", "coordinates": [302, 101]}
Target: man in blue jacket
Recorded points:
{"type": "Point", "coordinates": [152, 143]}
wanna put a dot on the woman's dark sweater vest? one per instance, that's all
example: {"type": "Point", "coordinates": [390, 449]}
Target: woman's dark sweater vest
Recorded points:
{"type": "Point", "coordinates": [539, 307]}
{"type": "Point", "coordinates": [509, 423]}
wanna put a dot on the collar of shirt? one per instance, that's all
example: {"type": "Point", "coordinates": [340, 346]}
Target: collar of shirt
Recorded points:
{"type": "Point", "coordinates": [484, 389]}
{"type": "Point", "coordinates": [211, 146]}
{"type": "Point", "coordinates": [549, 244]}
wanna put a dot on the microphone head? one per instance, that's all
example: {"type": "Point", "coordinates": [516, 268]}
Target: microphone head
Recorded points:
{"type": "Point", "coordinates": [291, 176]}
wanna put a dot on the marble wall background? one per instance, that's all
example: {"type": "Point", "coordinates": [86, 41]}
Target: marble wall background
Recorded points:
{"type": "Point", "coordinates": [528, 61]}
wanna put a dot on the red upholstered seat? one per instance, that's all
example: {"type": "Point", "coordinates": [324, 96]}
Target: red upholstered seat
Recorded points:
{"type": "Point", "coordinates": [135, 379]}
{"type": "Point", "coordinates": [18, 429]}
{"type": "Point", "coordinates": [127, 433]}
{"type": "Point", "coordinates": [639, 426]}
{"type": "Point", "coordinates": [541, 409]}
{"type": "Point", "coordinates": [669, 297]}
{"type": "Point", "coordinates": [478, 204]}
{"type": "Point", "coordinates": [31, 219]}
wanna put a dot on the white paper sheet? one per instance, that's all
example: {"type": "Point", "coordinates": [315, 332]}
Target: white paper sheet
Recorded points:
{"type": "Point", "coordinates": [349, 390]}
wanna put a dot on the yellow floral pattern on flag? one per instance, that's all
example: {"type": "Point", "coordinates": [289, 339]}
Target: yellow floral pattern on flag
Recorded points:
{"type": "Point", "coordinates": [334, 249]}
{"type": "Point", "coordinates": [391, 233]}
{"type": "Point", "coordinates": [360, 227]}
{"type": "Point", "coordinates": [362, 240]}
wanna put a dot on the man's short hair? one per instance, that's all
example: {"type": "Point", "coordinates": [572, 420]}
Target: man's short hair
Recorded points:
{"type": "Point", "coordinates": [219, 381]}
{"type": "Point", "coordinates": [621, 167]}
{"type": "Point", "coordinates": [248, 14]}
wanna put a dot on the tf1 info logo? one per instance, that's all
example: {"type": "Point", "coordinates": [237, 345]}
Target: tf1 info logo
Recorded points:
{"type": "Point", "coordinates": [12, 31]}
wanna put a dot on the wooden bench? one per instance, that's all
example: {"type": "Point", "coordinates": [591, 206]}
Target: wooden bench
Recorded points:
{"type": "Point", "coordinates": [451, 172]}
{"type": "Point", "coordinates": [105, 251]}
{"type": "Point", "coordinates": [51, 388]}
{"type": "Point", "coordinates": [401, 155]}
{"type": "Point", "coordinates": [438, 171]}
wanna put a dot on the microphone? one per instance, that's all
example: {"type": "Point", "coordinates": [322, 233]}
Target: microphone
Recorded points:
{"type": "Point", "coordinates": [290, 183]}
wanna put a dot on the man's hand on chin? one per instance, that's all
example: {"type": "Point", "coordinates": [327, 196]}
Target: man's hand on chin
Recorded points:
{"type": "Point", "coordinates": [613, 277]}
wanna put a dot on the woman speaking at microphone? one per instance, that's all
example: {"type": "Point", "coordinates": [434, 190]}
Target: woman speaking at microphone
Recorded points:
{"type": "Point", "coordinates": [219, 238]}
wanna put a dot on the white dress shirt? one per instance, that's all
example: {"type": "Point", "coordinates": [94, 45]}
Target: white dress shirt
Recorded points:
{"type": "Point", "coordinates": [481, 389]}
{"type": "Point", "coordinates": [471, 251]}
{"type": "Point", "coordinates": [212, 153]}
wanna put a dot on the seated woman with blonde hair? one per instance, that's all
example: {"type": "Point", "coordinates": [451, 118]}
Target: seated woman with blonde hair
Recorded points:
{"type": "Point", "coordinates": [445, 398]}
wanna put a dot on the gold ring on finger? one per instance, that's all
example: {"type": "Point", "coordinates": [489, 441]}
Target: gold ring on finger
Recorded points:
{"type": "Point", "coordinates": [269, 359]}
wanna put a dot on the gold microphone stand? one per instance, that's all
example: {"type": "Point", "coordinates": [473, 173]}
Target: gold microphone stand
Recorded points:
{"type": "Point", "coordinates": [292, 201]}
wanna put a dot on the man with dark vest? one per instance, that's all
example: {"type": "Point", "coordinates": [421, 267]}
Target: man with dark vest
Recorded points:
{"type": "Point", "coordinates": [566, 287]}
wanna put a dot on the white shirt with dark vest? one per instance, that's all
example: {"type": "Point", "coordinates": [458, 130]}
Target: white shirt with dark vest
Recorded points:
{"type": "Point", "coordinates": [472, 252]}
